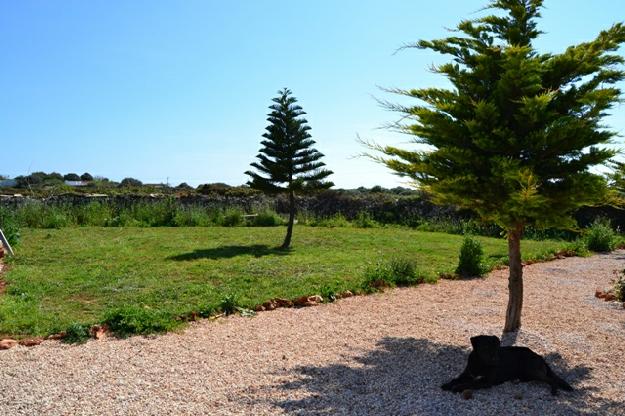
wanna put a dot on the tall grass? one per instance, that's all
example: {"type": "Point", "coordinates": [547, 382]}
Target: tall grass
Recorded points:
{"type": "Point", "coordinates": [9, 225]}
{"type": "Point", "coordinates": [172, 213]}
{"type": "Point", "coordinates": [166, 213]}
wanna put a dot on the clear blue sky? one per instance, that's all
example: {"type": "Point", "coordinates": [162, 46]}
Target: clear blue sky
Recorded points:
{"type": "Point", "coordinates": [179, 89]}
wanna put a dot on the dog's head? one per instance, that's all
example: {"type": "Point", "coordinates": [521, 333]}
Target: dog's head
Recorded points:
{"type": "Point", "coordinates": [487, 348]}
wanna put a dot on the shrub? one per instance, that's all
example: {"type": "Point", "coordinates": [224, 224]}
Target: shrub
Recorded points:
{"type": "Point", "coordinates": [71, 177]}
{"type": "Point", "coordinates": [396, 272]}
{"type": "Point", "coordinates": [470, 262]}
{"type": "Point", "coordinates": [335, 221]}
{"type": "Point", "coordinates": [87, 177]}
{"type": "Point", "coordinates": [40, 215]}
{"type": "Point", "coordinates": [95, 214]}
{"type": "Point", "coordinates": [9, 226]}
{"type": "Point", "coordinates": [134, 320]}
{"type": "Point", "coordinates": [267, 218]}
{"type": "Point", "coordinates": [154, 214]}
{"type": "Point", "coordinates": [206, 310]}
{"type": "Point", "coordinates": [229, 304]}
{"type": "Point", "coordinates": [577, 248]}
{"type": "Point", "coordinates": [55, 218]}
{"type": "Point", "coordinates": [600, 237]}
{"type": "Point", "coordinates": [404, 272]}
{"type": "Point", "coordinates": [77, 334]}
{"type": "Point", "coordinates": [330, 291]}
{"type": "Point", "coordinates": [364, 220]}
{"type": "Point", "coordinates": [377, 276]}
{"type": "Point", "coordinates": [232, 218]}
{"type": "Point", "coordinates": [441, 225]}
{"type": "Point", "coordinates": [193, 216]}
{"type": "Point", "coordinates": [130, 182]}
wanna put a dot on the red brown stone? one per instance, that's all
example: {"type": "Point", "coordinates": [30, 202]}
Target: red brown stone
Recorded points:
{"type": "Point", "coordinates": [283, 303]}
{"type": "Point", "coordinates": [5, 344]}
{"type": "Point", "coordinates": [31, 342]}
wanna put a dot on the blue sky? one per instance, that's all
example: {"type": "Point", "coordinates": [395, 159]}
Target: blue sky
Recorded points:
{"type": "Point", "coordinates": [180, 89]}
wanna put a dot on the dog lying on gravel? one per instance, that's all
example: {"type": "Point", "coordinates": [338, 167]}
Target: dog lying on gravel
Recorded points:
{"type": "Point", "coordinates": [490, 364]}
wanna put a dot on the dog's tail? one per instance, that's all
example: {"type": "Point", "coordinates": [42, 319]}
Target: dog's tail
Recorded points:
{"type": "Point", "coordinates": [559, 382]}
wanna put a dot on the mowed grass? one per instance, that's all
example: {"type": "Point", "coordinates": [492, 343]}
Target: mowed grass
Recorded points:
{"type": "Point", "coordinates": [77, 275]}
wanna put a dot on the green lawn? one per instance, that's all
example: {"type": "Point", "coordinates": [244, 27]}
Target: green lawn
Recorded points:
{"type": "Point", "coordinates": [76, 275]}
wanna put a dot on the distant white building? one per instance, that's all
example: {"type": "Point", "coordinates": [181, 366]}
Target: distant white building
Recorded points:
{"type": "Point", "coordinates": [76, 183]}
{"type": "Point", "coordinates": [8, 183]}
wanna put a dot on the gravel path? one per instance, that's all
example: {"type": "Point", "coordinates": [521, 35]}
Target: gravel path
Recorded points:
{"type": "Point", "coordinates": [384, 354]}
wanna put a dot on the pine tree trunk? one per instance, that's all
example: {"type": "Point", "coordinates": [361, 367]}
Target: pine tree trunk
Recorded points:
{"type": "Point", "coordinates": [515, 281]}
{"type": "Point", "coordinates": [289, 229]}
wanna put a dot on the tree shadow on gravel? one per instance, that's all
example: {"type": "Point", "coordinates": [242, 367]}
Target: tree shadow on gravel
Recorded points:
{"type": "Point", "coordinates": [402, 376]}
{"type": "Point", "coordinates": [227, 252]}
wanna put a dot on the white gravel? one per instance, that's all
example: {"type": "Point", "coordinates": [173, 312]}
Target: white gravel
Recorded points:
{"type": "Point", "coordinates": [376, 355]}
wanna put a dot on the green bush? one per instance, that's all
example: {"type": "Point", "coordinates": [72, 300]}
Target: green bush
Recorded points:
{"type": "Point", "coordinates": [94, 214]}
{"type": "Point", "coordinates": [41, 215]}
{"type": "Point", "coordinates": [335, 221]}
{"type": "Point", "coordinates": [77, 334]}
{"type": "Point", "coordinates": [193, 216]}
{"type": "Point", "coordinates": [396, 272]}
{"type": "Point", "coordinates": [150, 214]}
{"type": "Point", "coordinates": [600, 237]}
{"type": "Point", "coordinates": [377, 276]}
{"type": "Point", "coordinates": [233, 218]}
{"type": "Point", "coordinates": [470, 262]}
{"type": "Point", "coordinates": [330, 291]}
{"type": "Point", "coordinates": [364, 220]}
{"type": "Point", "coordinates": [207, 310]}
{"type": "Point", "coordinates": [229, 304]}
{"type": "Point", "coordinates": [134, 320]}
{"type": "Point", "coordinates": [56, 218]}
{"type": "Point", "coordinates": [267, 218]}
{"type": "Point", "coordinates": [404, 272]}
{"type": "Point", "coordinates": [9, 226]}
{"type": "Point", "coordinates": [578, 248]}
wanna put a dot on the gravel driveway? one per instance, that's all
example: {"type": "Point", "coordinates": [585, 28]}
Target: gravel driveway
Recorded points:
{"type": "Point", "coordinates": [383, 354]}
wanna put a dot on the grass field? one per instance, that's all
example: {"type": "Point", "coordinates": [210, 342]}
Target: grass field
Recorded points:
{"type": "Point", "coordinates": [78, 275]}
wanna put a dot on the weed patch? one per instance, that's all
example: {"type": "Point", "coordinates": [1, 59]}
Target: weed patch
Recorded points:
{"type": "Point", "coordinates": [133, 320]}
{"type": "Point", "coordinates": [76, 334]}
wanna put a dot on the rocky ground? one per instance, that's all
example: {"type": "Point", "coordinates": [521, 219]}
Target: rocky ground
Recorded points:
{"type": "Point", "coordinates": [383, 354]}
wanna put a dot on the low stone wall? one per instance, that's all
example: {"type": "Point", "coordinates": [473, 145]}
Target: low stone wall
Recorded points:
{"type": "Point", "coordinates": [383, 207]}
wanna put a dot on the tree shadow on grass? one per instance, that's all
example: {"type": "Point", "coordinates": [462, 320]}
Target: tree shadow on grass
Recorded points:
{"type": "Point", "coordinates": [227, 252]}
{"type": "Point", "coordinates": [402, 376]}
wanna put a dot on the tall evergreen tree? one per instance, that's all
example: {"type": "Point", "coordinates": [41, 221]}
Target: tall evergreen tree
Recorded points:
{"type": "Point", "coordinates": [617, 181]}
{"type": "Point", "coordinates": [514, 137]}
{"type": "Point", "coordinates": [287, 162]}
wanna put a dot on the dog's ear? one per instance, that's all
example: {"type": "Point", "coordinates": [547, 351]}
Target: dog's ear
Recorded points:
{"type": "Point", "coordinates": [488, 341]}
{"type": "Point", "coordinates": [476, 341]}
{"type": "Point", "coordinates": [496, 341]}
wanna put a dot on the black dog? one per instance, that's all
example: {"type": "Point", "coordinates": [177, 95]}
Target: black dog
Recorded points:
{"type": "Point", "coordinates": [490, 364]}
